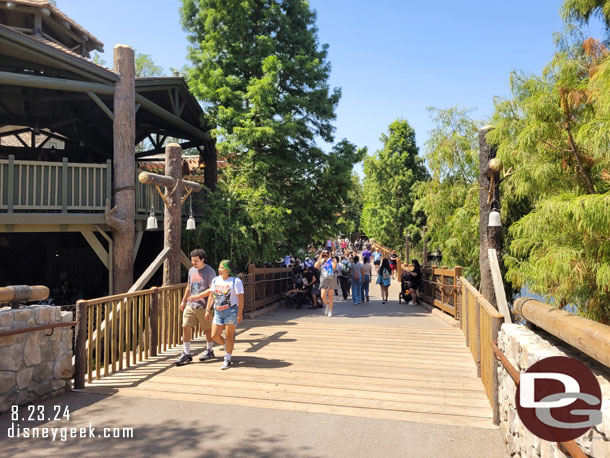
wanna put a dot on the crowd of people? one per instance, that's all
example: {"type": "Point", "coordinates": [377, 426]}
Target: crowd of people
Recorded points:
{"type": "Point", "coordinates": [346, 267]}
{"type": "Point", "coordinates": [216, 302]}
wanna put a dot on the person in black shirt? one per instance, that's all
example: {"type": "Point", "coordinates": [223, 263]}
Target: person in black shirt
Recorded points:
{"type": "Point", "coordinates": [311, 280]}
{"type": "Point", "coordinates": [415, 280]}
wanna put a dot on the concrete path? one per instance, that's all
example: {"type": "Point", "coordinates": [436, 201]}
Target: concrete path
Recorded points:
{"type": "Point", "coordinates": [373, 380]}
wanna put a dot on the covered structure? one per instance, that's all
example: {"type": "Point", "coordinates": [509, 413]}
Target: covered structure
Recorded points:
{"type": "Point", "coordinates": [68, 134]}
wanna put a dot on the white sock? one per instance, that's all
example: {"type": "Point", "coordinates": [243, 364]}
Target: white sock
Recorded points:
{"type": "Point", "coordinates": [187, 348]}
{"type": "Point", "coordinates": [210, 345]}
{"type": "Point", "coordinates": [228, 356]}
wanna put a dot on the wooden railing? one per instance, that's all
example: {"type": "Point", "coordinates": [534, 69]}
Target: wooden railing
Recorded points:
{"type": "Point", "coordinates": [265, 285]}
{"type": "Point", "coordinates": [481, 323]}
{"type": "Point", "coordinates": [439, 287]}
{"type": "Point", "coordinates": [63, 187]}
{"type": "Point", "coordinates": [116, 332]}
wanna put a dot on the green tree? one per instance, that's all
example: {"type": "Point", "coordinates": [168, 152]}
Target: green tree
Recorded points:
{"type": "Point", "coordinates": [581, 11]}
{"type": "Point", "coordinates": [554, 134]}
{"type": "Point", "coordinates": [450, 199]}
{"type": "Point", "coordinates": [146, 67]}
{"type": "Point", "coordinates": [390, 177]}
{"type": "Point", "coordinates": [258, 67]}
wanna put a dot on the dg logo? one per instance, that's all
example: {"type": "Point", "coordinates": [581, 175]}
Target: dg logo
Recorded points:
{"type": "Point", "coordinates": [559, 399]}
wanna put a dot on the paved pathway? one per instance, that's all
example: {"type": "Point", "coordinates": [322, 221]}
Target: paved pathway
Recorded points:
{"type": "Point", "coordinates": [373, 380]}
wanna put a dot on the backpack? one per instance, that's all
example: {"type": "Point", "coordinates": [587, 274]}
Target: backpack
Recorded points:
{"type": "Point", "coordinates": [386, 274]}
{"type": "Point", "coordinates": [345, 267]}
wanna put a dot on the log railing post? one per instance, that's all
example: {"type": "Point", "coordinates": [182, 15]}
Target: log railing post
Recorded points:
{"type": "Point", "coordinates": [496, 325]}
{"type": "Point", "coordinates": [80, 343]}
{"type": "Point", "coordinates": [457, 273]}
{"type": "Point", "coordinates": [154, 321]}
{"type": "Point", "coordinates": [477, 319]}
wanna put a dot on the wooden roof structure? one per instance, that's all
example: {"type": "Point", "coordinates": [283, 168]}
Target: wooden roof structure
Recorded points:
{"type": "Point", "coordinates": [50, 89]}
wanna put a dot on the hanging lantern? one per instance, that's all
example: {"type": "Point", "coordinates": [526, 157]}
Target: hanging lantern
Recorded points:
{"type": "Point", "coordinates": [494, 216]}
{"type": "Point", "coordinates": [151, 222]}
{"type": "Point", "coordinates": [190, 222]}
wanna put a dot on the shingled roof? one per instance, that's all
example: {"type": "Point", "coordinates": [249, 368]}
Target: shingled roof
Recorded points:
{"type": "Point", "coordinates": [56, 26]}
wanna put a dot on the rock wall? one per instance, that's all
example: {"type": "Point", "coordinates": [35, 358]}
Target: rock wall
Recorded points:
{"type": "Point", "coordinates": [34, 365]}
{"type": "Point", "coordinates": [523, 348]}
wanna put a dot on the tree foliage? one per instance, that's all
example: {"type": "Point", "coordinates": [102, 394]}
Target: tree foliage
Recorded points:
{"type": "Point", "coordinates": [450, 198]}
{"type": "Point", "coordinates": [146, 67]}
{"type": "Point", "coordinates": [581, 11]}
{"type": "Point", "coordinates": [263, 76]}
{"type": "Point", "coordinates": [388, 186]}
{"type": "Point", "coordinates": [555, 134]}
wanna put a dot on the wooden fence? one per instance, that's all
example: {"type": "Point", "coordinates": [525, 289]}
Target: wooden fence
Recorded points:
{"type": "Point", "coordinates": [116, 332]}
{"type": "Point", "coordinates": [481, 323]}
{"type": "Point", "coordinates": [63, 187]}
{"type": "Point", "coordinates": [265, 285]}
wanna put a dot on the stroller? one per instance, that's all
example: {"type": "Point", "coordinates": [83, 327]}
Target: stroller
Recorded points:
{"type": "Point", "coordinates": [405, 285]}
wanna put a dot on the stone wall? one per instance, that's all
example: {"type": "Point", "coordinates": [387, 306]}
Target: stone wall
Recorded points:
{"type": "Point", "coordinates": [523, 348]}
{"type": "Point", "coordinates": [34, 365]}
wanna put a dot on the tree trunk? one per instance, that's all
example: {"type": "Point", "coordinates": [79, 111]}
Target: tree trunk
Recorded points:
{"type": "Point", "coordinates": [487, 179]}
{"type": "Point", "coordinates": [124, 133]}
{"type": "Point", "coordinates": [172, 234]}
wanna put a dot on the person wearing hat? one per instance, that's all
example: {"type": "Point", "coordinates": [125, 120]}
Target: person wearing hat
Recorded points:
{"type": "Point", "coordinates": [227, 299]}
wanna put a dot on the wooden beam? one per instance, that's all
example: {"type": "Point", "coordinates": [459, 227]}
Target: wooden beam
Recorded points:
{"type": "Point", "coordinates": [185, 260]}
{"type": "Point", "coordinates": [171, 118]}
{"type": "Point", "coordinates": [496, 276]}
{"type": "Point", "coordinates": [136, 245]}
{"type": "Point", "coordinates": [97, 247]}
{"type": "Point", "coordinates": [184, 145]}
{"type": "Point", "coordinates": [162, 180]}
{"type": "Point", "coordinates": [59, 84]}
{"type": "Point", "coordinates": [150, 271]}
{"type": "Point", "coordinates": [588, 336]}
{"type": "Point", "coordinates": [102, 105]}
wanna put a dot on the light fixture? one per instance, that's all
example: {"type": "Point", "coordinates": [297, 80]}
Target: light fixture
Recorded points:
{"type": "Point", "coordinates": [151, 222]}
{"type": "Point", "coordinates": [190, 222]}
{"type": "Point", "coordinates": [494, 216]}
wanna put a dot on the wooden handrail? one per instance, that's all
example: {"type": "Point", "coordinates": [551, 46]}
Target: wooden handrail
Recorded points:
{"type": "Point", "coordinates": [588, 336]}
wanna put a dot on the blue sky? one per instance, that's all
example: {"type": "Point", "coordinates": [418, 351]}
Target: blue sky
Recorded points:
{"type": "Point", "coordinates": [391, 58]}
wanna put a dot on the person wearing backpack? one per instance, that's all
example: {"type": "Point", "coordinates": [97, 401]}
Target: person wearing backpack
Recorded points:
{"type": "Point", "coordinates": [384, 278]}
{"type": "Point", "coordinates": [327, 266]}
{"type": "Point", "coordinates": [356, 276]}
{"type": "Point", "coordinates": [344, 276]}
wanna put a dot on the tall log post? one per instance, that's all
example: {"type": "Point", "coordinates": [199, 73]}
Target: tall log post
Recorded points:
{"type": "Point", "coordinates": [80, 345]}
{"type": "Point", "coordinates": [425, 251]}
{"type": "Point", "coordinates": [407, 248]}
{"type": "Point", "coordinates": [489, 190]}
{"type": "Point", "coordinates": [124, 133]}
{"type": "Point", "coordinates": [172, 234]}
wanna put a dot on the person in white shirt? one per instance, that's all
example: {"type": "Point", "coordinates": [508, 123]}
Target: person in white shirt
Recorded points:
{"type": "Point", "coordinates": [227, 299]}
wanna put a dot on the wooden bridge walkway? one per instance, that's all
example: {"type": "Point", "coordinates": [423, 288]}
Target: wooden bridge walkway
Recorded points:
{"type": "Point", "coordinates": [390, 362]}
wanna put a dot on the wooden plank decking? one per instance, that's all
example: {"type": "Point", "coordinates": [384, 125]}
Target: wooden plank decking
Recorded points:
{"type": "Point", "coordinates": [400, 373]}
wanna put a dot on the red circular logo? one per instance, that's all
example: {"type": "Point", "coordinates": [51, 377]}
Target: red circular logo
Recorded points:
{"type": "Point", "coordinates": [559, 399]}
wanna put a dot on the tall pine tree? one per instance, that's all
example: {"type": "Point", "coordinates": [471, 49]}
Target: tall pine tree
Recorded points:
{"type": "Point", "coordinates": [258, 66]}
{"type": "Point", "coordinates": [390, 177]}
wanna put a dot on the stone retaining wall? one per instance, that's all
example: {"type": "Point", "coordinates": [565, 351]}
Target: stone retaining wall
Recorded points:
{"type": "Point", "coordinates": [34, 365]}
{"type": "Point", "coordinates": [523, 348]}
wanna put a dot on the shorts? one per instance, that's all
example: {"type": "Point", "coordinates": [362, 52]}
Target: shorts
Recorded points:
{"type": "Point", "coordinates": [315, 289]}
{"type": "Point", "coordinates": [377, 263]}
{"type": "Point", "coordinates": [192, 316]}
{"type": "Point", "coordinates": [393, 266]}
{"type": "Point", "coordinates": [226, 316]}
{"type": "Point", "coordinates": [328, 283]}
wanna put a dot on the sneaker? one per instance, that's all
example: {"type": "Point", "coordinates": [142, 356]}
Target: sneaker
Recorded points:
{"type": "Point", "coordinates": [367, 298]}
{"type": "Point", "coordinates": [383, 302]}
{"type": "Point", "coordinates": [184, 359]}
{"type": "Point", "coordinates": [325, 310]}
{"type": "Point", "coordinates": [207, 354]}
{"type": "Point", "coordinates": [228, 363]}
{"type": "Point", "coordinates": [330, 313]}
